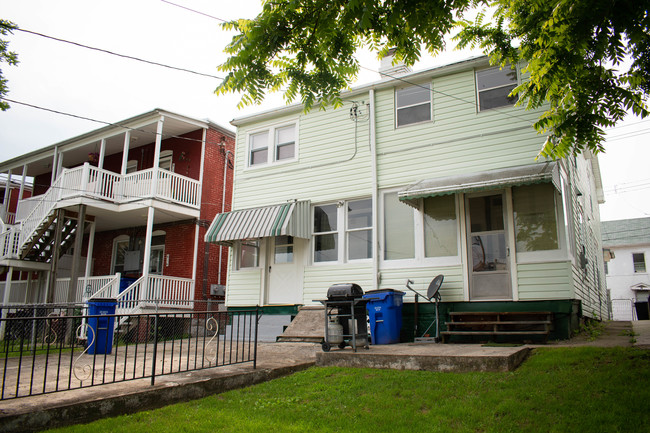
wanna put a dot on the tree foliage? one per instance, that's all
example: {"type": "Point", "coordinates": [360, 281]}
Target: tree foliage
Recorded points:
{"type": "Point", "coordinates": [5, 56]}
{"type": "Point", "coordinates": [589, 60]}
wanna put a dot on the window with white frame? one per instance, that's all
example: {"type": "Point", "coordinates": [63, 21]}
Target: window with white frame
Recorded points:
{"type": "Point", "coordinates": [343, 231]}
{"type": "Point", "coordinates": [427, 232]}
{"type": "Point", "coordinates": [413, 104]}
{"type": "Point", "coordinates": [166, 160]}
{"type": "Point", "coordinates": [493, 86]}
{"type": "Point", "coordinates": [639, 262]}
{"type": "Point", "coordinates": [272, 145]}
{"type": "Point", "coordinates": [249, 254]}
{"type": "Point", "coordinates": [120, 248]}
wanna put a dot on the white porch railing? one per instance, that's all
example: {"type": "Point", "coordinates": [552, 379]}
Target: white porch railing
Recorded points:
{"type": "Point", "coordinates": [108, 285]}
{"type": "Point", "coordinates": [10, 242]}
{"type": "Point", "coordinates": [161, 292]}
{"type": "Point", "coordinates": [18, 292]}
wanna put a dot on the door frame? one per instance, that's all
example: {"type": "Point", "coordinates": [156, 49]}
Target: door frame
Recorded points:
{"type": "Point", "coordinates": [508, 230]}
{"type": "Point", "coordinates": [269, 263]}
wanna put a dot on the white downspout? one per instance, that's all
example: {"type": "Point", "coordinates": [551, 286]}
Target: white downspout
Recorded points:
{"type": "Point", "coordinates": [223, 205]}
{"type": "Point", "coordinates": [7, 197]}
{"type": "Point", "coordinates": [375, 204]}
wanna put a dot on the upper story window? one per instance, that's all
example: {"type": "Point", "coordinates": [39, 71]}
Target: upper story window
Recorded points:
{"type": "Point", "coordinates": [272, 145]}
{"type": "Point", "coordinates": [166, 160]}
{"type": "Point", "coordinates": [639, 262]}
{"type": "Point", "coordinates": [494, 85]}
{"type": "Point", "coordinates": [413, 104]}
{"type": "Point", "coordinates": [343, 231]}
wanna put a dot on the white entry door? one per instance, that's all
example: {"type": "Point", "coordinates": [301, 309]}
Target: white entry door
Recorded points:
{"type": "Point", "coordinates": [488, 248]}
{"type": "Point", "coordinates": [285, 270]}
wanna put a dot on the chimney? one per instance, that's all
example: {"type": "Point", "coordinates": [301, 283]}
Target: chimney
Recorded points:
{"type": "Point", "coordinates": [387, 69]}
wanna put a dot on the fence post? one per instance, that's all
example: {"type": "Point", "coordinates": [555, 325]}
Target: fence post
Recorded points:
{"type": "Point", "coordinates": [257, 322]}
{"type": "Point", "coordinates": [155, 349]}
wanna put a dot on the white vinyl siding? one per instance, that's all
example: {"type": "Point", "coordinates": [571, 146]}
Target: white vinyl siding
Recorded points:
{"type": "Point", "coordinates": [545, 281]}
{"type": "Point", "coordinates": [460, 141]}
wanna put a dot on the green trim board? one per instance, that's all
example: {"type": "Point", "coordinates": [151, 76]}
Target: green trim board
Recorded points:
{"type": "Point", "coordinates": [272, 310]}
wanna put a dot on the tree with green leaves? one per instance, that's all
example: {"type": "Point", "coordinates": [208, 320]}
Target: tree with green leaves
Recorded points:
{"type": "Point", "coordinates": [5, 56]}
{"type": "Point", "coordinates": [588, 60]}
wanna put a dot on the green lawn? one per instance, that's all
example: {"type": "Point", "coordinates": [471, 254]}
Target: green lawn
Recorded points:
{"type": "Point", "coordinates": [557, 390]}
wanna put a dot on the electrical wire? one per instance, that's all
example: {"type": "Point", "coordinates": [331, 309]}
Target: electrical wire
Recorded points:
{"type": "Point", "coordinates": [117, 125]}
{"type": "Point", "coordinates": [195, 11]}
{"type": "Point", "coordinates": [117, 54]}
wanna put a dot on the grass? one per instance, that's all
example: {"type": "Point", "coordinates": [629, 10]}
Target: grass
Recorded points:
{"type": "Point", "coordinates": [584, 389]}
{"type": "Point", "coordinates": [592, 329]}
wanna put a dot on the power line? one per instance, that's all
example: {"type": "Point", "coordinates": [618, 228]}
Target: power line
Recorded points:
{"type": "Point", "coordinates": [195, 11]}
{"type": "Point", "coordinates": [119, 55]}
{"type": "Point", "coordinates": [164, 136]}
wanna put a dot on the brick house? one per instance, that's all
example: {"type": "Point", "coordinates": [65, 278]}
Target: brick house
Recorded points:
{"type": "Point", "coordinates": [141, 191]}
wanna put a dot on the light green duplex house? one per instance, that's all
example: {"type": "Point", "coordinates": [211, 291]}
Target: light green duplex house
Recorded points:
{"type": "Point", "coordinates": [418, 174]}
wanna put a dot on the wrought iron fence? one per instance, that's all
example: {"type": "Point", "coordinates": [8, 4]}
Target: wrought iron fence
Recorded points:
{"type": "Point", "coordinates": [51, 348]}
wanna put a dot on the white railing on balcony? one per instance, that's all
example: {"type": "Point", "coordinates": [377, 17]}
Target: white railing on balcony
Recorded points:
{"type": "Point", "coordinates": [102, 184]}
{"type": "Point", "coordinates": [10, 218]}
{"type": "Point", "coordinates": [136, 185]}
{"type": "Point", "coordinates": [104, 286]}
{"type": "Point", "coordinates": [177, 188]}
{"type": "Point", "coordinates": [129, 299]}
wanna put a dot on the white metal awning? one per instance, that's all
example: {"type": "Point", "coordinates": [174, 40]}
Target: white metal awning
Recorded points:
{"type": "Point", "coordinates": [481, 181]}
{"type": "Point", "coordinates": [291, 219]}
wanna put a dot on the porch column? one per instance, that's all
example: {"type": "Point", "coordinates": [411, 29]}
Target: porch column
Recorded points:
{"type": "Point", "coordinates": [89, 256]}
{"type": "Point", "coordinates": [102, 153]}
{"type": "Point", "coordinates": [125, 152]}
{"type": "Point", "coordinates": [59, 164]}
{"type": "Point", "coordinates": [144, 294]}
{"type": "Point", "coordinates": [156, 156]}
{"type": "Point", "coordinates": [5, 203]}
{"type": "Point", "coordinates": [5, 301]}
{"type": "Point", "coordinates": [76, 258]}
{"type": "Point", "coordinates": [125, 161]}
{"type": "Point", "coordinates": [54, 164]}
{"type": "Point", "coordinates": [22, 183]}
{"type": "Point", "coordinates": [201, 168]}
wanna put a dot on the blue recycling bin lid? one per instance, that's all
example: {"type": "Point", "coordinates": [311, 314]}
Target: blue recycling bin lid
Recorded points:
{"type": "Point", "coordinates": [382, 294]}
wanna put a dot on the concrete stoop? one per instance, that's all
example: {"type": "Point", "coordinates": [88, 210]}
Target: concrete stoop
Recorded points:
{"type": "Point", "coordinates": [307, 326]}
{"type": "Point", "coordinates": [433, 357]}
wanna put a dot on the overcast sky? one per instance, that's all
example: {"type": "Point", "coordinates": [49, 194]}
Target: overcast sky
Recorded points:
{"type": "Point", "coordinates": [79, 81]}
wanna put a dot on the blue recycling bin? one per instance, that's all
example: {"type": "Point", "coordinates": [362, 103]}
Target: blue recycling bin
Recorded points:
{"type": "Point", "coordinates": [100, 338]}
{"type": "Point", "coordinates": [385, 315]}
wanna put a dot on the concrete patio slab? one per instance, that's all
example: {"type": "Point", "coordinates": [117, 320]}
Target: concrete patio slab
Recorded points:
{"type": "Point", "coordinates": [428, 356]}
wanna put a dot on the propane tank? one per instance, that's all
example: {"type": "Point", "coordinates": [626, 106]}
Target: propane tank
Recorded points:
{"type": "Point", "coordinates": [334, 331]}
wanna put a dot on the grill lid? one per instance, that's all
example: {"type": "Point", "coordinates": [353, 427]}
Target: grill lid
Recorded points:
{"type": "Point", "coordinates": [344, 291]}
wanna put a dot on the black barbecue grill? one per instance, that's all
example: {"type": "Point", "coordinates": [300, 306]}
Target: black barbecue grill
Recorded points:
{"type": "Point", "coordinates": [345, 317]}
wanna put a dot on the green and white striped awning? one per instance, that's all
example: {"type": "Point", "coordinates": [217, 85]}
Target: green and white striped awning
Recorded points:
{"type": "Point", "coordinates": [291, 219]}
{"type": "Point", "coordinates": [481, 181]}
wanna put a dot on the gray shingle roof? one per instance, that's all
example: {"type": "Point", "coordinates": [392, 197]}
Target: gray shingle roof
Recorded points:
{"type": "Point", "coordinates": [626, 232]}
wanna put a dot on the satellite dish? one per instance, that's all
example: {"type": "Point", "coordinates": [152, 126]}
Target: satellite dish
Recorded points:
{"type": "Point", "coordinates": [432, 291]}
